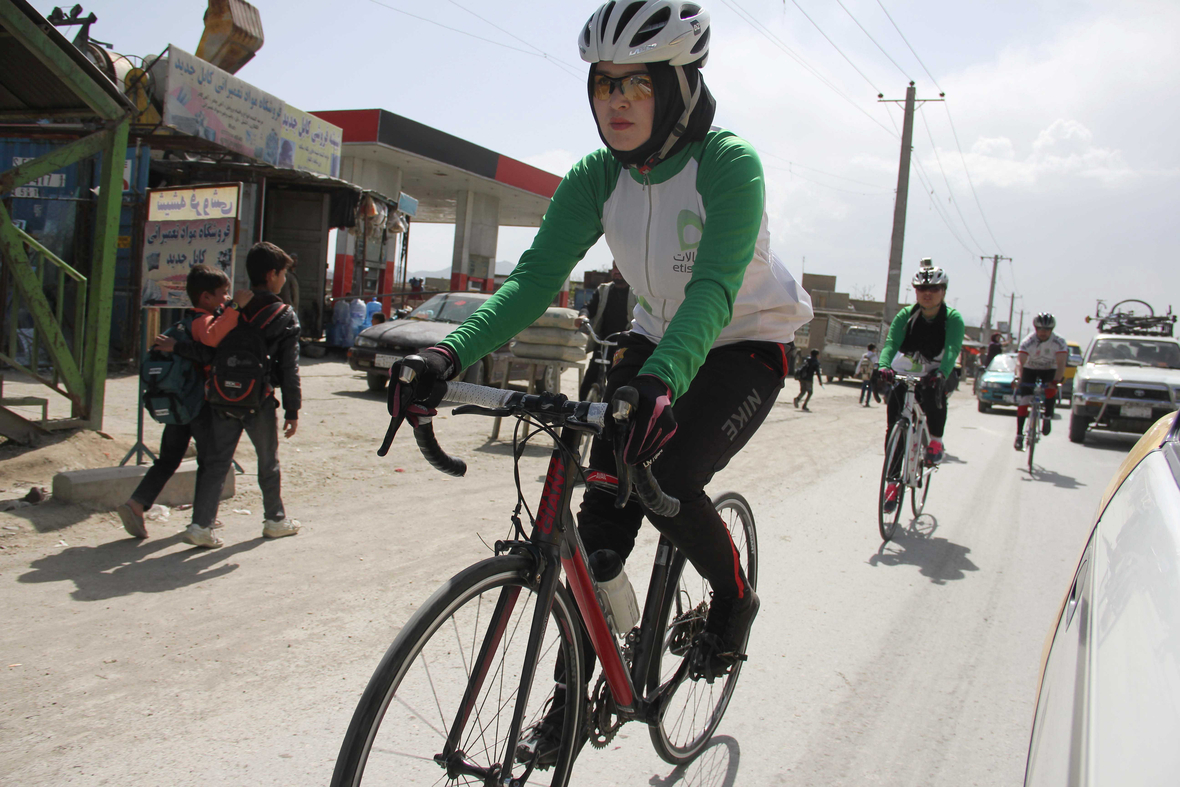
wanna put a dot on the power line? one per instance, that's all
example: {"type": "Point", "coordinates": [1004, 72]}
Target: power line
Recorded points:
{"type": "Point", "coordinates": [969, 181]}
{"type": "Point", "coordinates": [866, 32]}
{"type": "Point", "coordinates": [568, 68]}
{"type": "Point", "coordinates": [907, 43]}
{"type": "Point", "coordinates": [764, 152]}
{"type": "Point", "coordinates": [950, 191]}
{"type": "Point", "coordinates": [464, 32]}
{"type": "Point", "coordinates": [765, 32]}
{"type": "Point", "coordinates": [825, 185]}
{"type": "Point", "coordinates": [833, 43]}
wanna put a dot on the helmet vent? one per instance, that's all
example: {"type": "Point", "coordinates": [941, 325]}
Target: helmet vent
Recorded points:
{"type": "Point", "coordinates": [586, 35]}
{"type": "Point", "coordinates": [689, 9]}
{"type": "Point", "coordinates": [703, 43]}
{"type": "Point", "coordinates": [628, 13]}
{"type": "Point", "coordinates": [606, 12]}
{"type": "Point", "coordinates": [657, 22]}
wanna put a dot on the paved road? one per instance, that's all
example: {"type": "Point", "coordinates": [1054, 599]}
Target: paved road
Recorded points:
{"type": "Point", "coordinates": [911, 664]}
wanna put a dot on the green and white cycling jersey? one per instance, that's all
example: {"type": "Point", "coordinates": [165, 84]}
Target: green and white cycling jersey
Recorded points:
{"type": "Point", "coordinates": [691, 239]}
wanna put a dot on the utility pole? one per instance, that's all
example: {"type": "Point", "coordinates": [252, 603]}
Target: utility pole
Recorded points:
{"type": "Point", "coordinates": [1020, 333]}
{"type": "Point", "coordinates": [893, 281]}
{"type": "Point", "coordinates": [987, 318]}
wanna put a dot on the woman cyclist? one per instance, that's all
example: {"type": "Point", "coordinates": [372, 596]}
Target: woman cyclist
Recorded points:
{"type": "Point", "coordinates": [682, 209]}
{"type": "Point", "coordinates": [924, 339]}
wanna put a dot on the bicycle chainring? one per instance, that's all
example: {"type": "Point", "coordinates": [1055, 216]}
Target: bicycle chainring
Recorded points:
{"type": "Point", "coordinates": [604, 720]}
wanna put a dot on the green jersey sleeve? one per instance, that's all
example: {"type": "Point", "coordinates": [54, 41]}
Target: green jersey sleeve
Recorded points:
{"type": "Point", "coordinates": [895, 337]}
{"type": "Point", "coordinates": [571, 225]}
{"type": "Point", "coordinates": [954, 341]}
{"type": "Point", "coordinates": [732, 188]}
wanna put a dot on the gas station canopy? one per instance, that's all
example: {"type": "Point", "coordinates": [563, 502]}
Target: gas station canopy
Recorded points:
{"type": "Point", "coordinates": [436, 167]}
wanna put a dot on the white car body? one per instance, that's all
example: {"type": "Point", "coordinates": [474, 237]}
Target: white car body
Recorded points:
{"type": "Point", "coordinates": [1108, 706]}
{"type": "Point", "coordinates": [1123, 394]}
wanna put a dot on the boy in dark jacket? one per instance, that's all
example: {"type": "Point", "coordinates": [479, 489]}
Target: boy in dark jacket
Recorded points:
{"type": "Point", "coordinates": [266, 265]}
{"type": "Point", "coordinates": [208, 291]}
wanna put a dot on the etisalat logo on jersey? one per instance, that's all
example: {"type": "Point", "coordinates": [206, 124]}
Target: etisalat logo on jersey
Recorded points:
{"type": "Point", "coordinates": [689, 229]}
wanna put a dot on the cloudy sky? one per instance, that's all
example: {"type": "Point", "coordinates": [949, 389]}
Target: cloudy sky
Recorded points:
{"type": "Point", "coordinates": [1053, 146]}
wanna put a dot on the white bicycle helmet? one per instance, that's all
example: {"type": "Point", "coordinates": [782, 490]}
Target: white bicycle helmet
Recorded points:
{"type": "Point", "coordinates": [647, 31]}
{"type": "Point", "coordinates": [1045, 320]}
{"type": "Point", "coordinates": [930, 275]}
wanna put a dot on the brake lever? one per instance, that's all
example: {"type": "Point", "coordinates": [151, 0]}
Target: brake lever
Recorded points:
{"type": "Point", "coordinates": [625, 401]}
{"type": "Point", "coordinates": [475, 409]}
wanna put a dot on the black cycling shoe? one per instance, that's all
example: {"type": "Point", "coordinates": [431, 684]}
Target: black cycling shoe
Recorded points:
{"type": "Point", "coordinates": [1019, 444]}
{"type": "Point", "coordinates": [722, 644]}
{"type": "Point", "coordinates": [1046, 426]}
{"type": "Point", "coordinates": [540, 744]}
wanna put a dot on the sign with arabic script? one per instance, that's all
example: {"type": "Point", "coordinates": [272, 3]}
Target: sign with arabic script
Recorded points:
{"type": "Point", "coordinates": [309, 143]}
{"type": "Point", "coordinates": [198, 202]}
{"type": "Point", "coordinates": [202, 100]}
{"type": "Point", "coordinates": [197, 226]}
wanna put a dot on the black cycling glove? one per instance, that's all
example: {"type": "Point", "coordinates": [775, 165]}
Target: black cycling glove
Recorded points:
{"type": "Point", "coordinates": [428, 372]}
{"type": "Point", "coordinates": [652, 424]}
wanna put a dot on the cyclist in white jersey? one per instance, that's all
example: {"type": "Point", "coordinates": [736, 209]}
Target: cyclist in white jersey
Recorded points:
{"type": "Point", "coordinates": [1042, 356]}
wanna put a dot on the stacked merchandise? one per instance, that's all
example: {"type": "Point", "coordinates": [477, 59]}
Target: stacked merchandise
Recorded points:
{"type": "Point", "coordinates": [553, 337]}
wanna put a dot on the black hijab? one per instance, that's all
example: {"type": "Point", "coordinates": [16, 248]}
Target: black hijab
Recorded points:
{"type": "Point", "coordinates": [669, 108]}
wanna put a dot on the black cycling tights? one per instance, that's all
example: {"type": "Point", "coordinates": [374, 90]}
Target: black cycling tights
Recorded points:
{"type": "Point", "coordinates": [724, 405]}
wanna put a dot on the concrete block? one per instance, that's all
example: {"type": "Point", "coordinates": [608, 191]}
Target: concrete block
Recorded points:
{"type": "Point", "coordinates": [108, 487]}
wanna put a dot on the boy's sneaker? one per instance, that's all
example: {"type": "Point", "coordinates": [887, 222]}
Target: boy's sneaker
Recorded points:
{"type": "Point", "coordinates": [890, 498]}
{"type": "Point", "coordinates": [132, 522]}
{"type": "Point", "coordinates": [934, 453]}
{"type": "Point", "coordinates": [1046, 426]}
{"type": "Point", "coordinates": [278, 528]}
{"type": "Point", "coordinates": [723, 642]}
{"type": "Point", "coordinates": [202, 536]}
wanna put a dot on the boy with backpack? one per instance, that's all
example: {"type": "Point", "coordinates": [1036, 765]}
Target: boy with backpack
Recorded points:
{"type": "Point", "coordinates": [258, 357]}
{"type": "Point", "coordinates": [174, 384]}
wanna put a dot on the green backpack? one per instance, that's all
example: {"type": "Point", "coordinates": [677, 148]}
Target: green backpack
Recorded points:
{"type": "Point", "coordinates": [172, 387]}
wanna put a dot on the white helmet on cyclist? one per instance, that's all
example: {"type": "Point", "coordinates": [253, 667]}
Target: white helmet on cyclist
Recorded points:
{"type": "Point", "coordinates": [930, 275]}
{"type": "Point", "coordinates": [670, 37]}
{"type": "Point", "coordinates": [647, 31]}
{"type": "Point", "coordinates": [1045, 320]}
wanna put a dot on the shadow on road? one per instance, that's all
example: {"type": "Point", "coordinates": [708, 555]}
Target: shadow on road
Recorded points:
{"type": "Point", "coordinates": [715, 766]}
{"type": "Point", "coordinates": [1057, 479]}
{"type": "Point", "coordinates": [1111, 441]}
{"type": "Point", "coordinates": [123, 567]}
{"type": "Point", "coordinates": [937, 558]}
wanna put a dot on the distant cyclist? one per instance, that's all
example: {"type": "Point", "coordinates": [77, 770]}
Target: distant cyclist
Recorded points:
{"type": "Point", "coordinates": [682, 208]}
{"type": "Point", "coordinates": [1042, 356]}
{"type": "Point", "coordinates": [924, 340]}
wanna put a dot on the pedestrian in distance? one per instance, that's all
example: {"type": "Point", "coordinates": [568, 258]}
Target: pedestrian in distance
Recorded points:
{"type": "Point", "coordinates": [809, 371]}
{"type": "Point", "coordinates": [866, 370]}
{"type": "Point", "coordinates": [209, 322]}
{"type": "Point", "coordinates": [222, 427]}
{"type": "Point", "coordinates": [609, 311]}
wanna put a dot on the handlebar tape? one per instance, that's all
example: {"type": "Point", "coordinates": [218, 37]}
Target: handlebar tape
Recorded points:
{"type": "Point", "coordinates": [438, 458]}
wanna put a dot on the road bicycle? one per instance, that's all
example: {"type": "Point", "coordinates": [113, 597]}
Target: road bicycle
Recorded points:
{"type": "Point", "coordinates": [475, 666]}
{"type": "Point", "coordinates": [602, 360]}
{"type": "Point", "coordinates": [905, 460]}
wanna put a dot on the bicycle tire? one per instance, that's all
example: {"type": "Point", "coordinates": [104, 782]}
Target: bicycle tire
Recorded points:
{"type": "Point", "coordinates": [894, 444]}
{"type": "Point", "coordinates": [426, 672]}
{"type": "Point", "coordinates": [921, 489]}
{"type": "Point", "coordinates": [693, 710]}
{"type": "Point", "coordinates": [1034, 424]}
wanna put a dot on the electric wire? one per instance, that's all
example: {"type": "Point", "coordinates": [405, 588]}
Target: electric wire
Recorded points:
{"type": "Point", "coordinates": [464, 32]}
{"type": "Point", "coordinates": [765, 32]}
{"type": "Point", "coordinates": [833, 43]}
{"type": "Point", "coordinates": [828, 186]}
{"type": "Point", "coordinates": [568, 67]}
{"type": "Point", "coordinates": [969, 181]}
{"type": "Point", "coordinates": [907, 43]}
{"type": "Point", "coordinates": [945, 180]}
{"type": "Point", "coordinates": [764, 152]}
{"type": "Point", "coordinates": [866, 32]}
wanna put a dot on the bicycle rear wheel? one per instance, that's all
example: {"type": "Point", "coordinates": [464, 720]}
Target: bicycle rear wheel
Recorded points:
{"type": "Point", "coordinates": [416, 697]}
{"type": "Point", "coordinates": [894, 447]}
{"type": "Point", "coordinates": [694, 708]}
{"type": "Point", "coordinates": [922, 478]}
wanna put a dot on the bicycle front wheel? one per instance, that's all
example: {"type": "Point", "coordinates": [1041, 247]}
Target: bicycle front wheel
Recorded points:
{"type": "Point", "coordinates": [892, 472]}
{"type": "Point", "coordinates": [439, 706]}
{"type": "Point", "coordinates": [694, 708]}
{"type": "Point", "coordinates": [1034, 426]}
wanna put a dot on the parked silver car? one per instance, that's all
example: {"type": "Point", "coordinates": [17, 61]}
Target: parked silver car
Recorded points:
{"type": "Point", "coordinates": [1108, 705]}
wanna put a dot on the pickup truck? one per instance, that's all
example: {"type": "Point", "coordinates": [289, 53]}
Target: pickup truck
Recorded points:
{"type": "Point", "coordinates": [845, 342]}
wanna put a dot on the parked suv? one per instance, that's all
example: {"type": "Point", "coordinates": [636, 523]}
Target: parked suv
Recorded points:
{"type": "Point", "coordinates": [1130, 378]}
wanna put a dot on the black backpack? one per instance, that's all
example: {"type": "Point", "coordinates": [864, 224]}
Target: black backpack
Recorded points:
{"type": "Point", "coordinates": [172, 387]}
{"type": "Point", "coordinates": [239, 379]}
